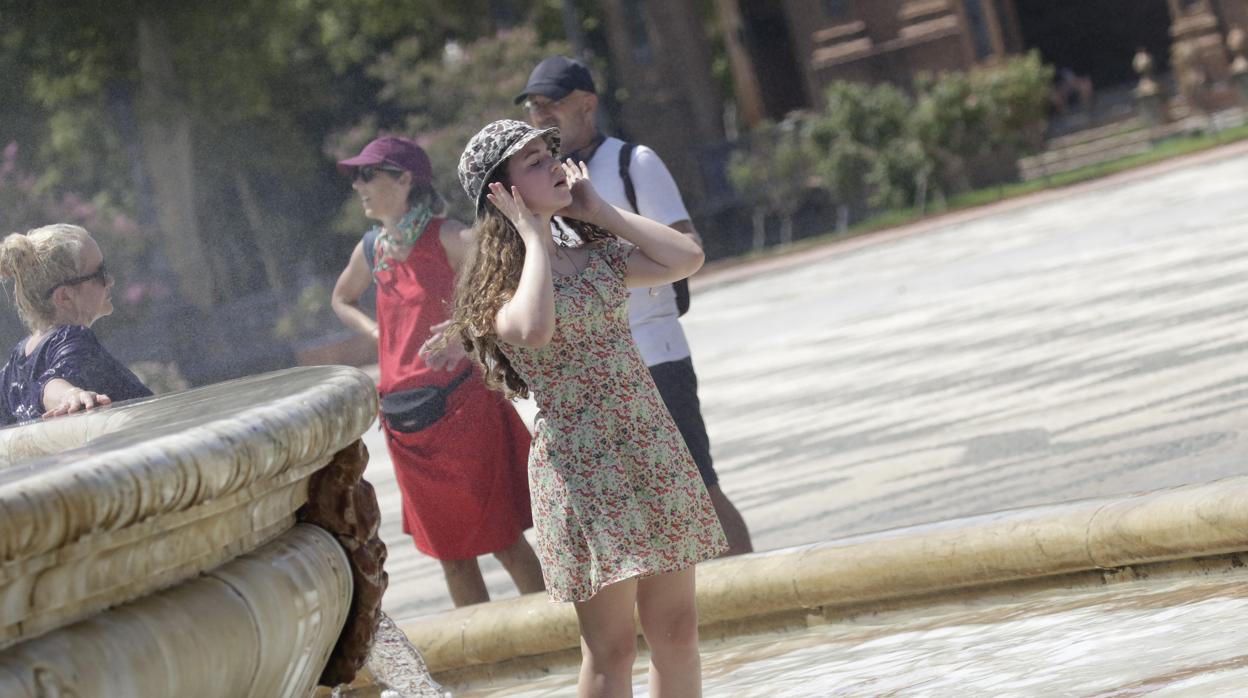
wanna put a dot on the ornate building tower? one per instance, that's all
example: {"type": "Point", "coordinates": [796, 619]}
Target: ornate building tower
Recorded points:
{"type": "Point", "coordinates": [1200, 59]}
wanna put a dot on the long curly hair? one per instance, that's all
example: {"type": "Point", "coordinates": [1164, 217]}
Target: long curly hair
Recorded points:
{"type": "Point", "coordinates": [489, 280]}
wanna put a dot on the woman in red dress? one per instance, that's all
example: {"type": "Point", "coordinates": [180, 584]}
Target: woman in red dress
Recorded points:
{"type": "Point", "coordinates": [463, 479]}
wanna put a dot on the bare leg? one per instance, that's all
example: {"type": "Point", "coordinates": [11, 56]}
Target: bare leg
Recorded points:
{"type": "Point", "coordinates": [608, 642]}
{"type": "Point", "coordinates": [463, 579]}
{"type": "Point", "coordinates": [669, 618]}
{"type": "Point", "coordinates": [521, 563]}
{"type": "Point", "coordinates": [734, 525]}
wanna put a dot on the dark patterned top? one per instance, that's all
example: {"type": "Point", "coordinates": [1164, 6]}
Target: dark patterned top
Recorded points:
{"type": "Point", "coordinates": [69, 352]}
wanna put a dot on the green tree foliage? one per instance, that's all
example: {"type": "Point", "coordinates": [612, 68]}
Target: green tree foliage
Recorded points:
{"type": "Point", "coordinates": [996, 113]}
{"type": "Point", "coordinates": [264, 82]}
{"type": "Point", "coordinates": [950, 121]}
{"type": "Point", "coordinates": [445, 100]}
{"type": "Point", "coordinates": [260, 96]}
{"type": "Point", "coordinates": [877, 146]}
{"type": "Point", "coordinates": [1017, 95]}
{"type": "Point", "coordinates": [773, 171]}
{"type": "Point", "coordinates": [58, 69]}
{"type": "Point", "coordinates": [866, 146]}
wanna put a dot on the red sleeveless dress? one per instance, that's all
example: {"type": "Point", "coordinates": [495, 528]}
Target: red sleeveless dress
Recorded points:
{"type": "Point", "coordinates": [464, 480]}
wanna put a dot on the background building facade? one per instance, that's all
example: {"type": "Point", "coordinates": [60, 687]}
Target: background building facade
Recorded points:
{"type": "Point", "coordinates": [798, 47]}
{"type": "Point", "coordinates": [783, 54]}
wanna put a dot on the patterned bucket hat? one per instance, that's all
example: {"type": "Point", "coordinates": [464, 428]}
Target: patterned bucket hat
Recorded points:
{"type": "Point", "coordinates": [491, 147]}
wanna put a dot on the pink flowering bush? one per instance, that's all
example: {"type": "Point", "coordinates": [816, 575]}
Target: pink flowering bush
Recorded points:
{"type": "Point", "coordinates": [27, 201]}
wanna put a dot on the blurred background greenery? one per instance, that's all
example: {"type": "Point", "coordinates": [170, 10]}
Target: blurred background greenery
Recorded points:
{"type": "Point", "coordinates": [197, 139]}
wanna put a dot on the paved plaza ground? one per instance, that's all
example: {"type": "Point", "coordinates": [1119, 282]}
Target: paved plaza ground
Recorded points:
{"type": "Point", "coordinates": [1075, 344]}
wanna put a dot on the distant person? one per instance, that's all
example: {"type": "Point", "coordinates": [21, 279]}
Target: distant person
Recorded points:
{"type": "Point", "coordinates": [61, 286]}
{"type": "Point", "coordinates": [560, 93]}
{"type": "Point", "coordinates": [1070, 86]}
{"type": "Point", "coordinates": [621, 515]}
{"type": "Point", "coordinates": [463, 475]}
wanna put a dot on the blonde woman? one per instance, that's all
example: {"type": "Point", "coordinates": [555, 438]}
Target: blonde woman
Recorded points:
{"type": "Point", "coordinates": [61, 286]}
{"type": "Point", "coordinates": [620, 511]}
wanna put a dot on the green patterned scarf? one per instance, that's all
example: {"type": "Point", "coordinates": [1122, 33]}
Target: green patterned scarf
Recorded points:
{"type": "Point", "coordinates": [407, 232]}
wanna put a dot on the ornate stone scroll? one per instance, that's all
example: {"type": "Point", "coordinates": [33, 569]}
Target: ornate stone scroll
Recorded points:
{"type": "Point", "coordinates": [343, 503]}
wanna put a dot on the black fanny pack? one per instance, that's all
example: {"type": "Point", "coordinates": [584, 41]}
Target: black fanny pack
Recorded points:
{"type": "Point", "coordinates": [410, 411]}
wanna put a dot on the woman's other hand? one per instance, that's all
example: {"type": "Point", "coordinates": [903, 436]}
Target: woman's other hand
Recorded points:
{"type": "Point", "coordinates": [439, 352]}
{"type": "Point", "coordinates": [586, 204]}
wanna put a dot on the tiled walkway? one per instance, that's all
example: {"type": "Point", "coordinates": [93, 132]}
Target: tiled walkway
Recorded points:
{"type": "Point", "coordinates": [1087, 343]}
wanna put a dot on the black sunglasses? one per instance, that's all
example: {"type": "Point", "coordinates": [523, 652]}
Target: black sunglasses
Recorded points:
{"type": "Point", "coordinates": [100, 274]}
{"type": "Point", "coordinates": [366, 173]}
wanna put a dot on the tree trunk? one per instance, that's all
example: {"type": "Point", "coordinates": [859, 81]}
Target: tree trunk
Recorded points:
{"type": "Point", "coordinates": [572, 27]}
{"type": "Point", "coordinates": [920, 193]}
{"type": "Point", "coordinates": [749, 94]}
{"type": "Point", "coordinates": [759, 218]}
{"type": "Point", "coordinates": [842, 219]}
{"type": "Point", "coordinates": [268, 240]}
{"type": "Point", "coordinates": [661, 58]}
{"type": "Point", "coordinates": [165, 134]}
{"type": "Point", "coordinates": [786, 229]}
{"type": "Point", "coordinates": [687, 62]}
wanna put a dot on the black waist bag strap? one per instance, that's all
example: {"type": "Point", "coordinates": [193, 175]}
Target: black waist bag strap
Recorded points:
{"type": "Point", "coordinates": [626, 157]}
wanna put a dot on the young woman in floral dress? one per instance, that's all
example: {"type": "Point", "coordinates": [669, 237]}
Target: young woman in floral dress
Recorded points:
{"type": "Point", "coordinates": [620, 511]}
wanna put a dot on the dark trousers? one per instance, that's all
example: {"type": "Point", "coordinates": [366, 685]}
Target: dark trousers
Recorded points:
{"type": "Point", "coordinates": [678, 386]}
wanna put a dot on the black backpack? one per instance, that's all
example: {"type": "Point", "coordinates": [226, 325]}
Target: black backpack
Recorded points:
{"type": "Point", "coordinates": [626, 157]}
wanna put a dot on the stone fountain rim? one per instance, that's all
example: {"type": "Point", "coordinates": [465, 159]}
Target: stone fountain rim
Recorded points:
{"type": "Point", "coordinates": [134, 483]}
{"type": "Point", "coordinates": [41, 484]}
{"type": "Point", "coordinates": [1033, 543]}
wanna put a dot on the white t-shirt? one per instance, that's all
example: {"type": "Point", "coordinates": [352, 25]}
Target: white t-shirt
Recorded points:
{"type": "Point", "coordinates": [652, 313]}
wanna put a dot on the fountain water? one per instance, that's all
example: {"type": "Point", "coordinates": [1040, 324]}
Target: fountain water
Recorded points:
{"type": "Point", "coordinates": [397, 666]}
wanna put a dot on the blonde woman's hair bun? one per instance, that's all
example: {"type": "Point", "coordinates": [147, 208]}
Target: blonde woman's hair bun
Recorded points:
{"type": "Point", "coordinates": [38, 260]}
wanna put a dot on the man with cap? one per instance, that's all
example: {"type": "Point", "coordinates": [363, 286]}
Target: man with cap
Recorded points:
{"type": "Point", "coordinates": [462, 471]}
{"type": "Point", "coordinates": [560, 92]}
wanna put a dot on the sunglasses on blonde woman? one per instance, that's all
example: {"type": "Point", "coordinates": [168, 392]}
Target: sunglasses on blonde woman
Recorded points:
{"type": "Point", "coordinates": [100, 274]}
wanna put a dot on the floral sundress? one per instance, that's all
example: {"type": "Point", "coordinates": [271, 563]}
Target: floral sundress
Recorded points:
{"type": "Point", "coordinates": [615, 492]}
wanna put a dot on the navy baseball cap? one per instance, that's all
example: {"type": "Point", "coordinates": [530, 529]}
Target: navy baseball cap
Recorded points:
{"type": "Point", "coordinates": [556, 77]}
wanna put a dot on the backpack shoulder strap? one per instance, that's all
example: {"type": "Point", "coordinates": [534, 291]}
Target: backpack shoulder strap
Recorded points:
{"type": "Point", "coordinates": [626, 158]}
{"type": "Point", "coordinates": [370, 248]}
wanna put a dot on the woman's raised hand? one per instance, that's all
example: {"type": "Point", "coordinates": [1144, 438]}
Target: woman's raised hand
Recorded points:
{"type": "Point", "coordinates": [586, 202]}
{"type": "Point", "coordinates": [512, 205]}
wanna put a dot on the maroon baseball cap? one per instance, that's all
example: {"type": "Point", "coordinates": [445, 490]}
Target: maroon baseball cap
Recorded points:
{"type": "Point", "coordinates": [395, 151]}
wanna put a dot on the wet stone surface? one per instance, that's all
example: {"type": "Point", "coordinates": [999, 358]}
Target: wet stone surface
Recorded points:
{"type": "Point", "coordinates": [1175, 637]}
